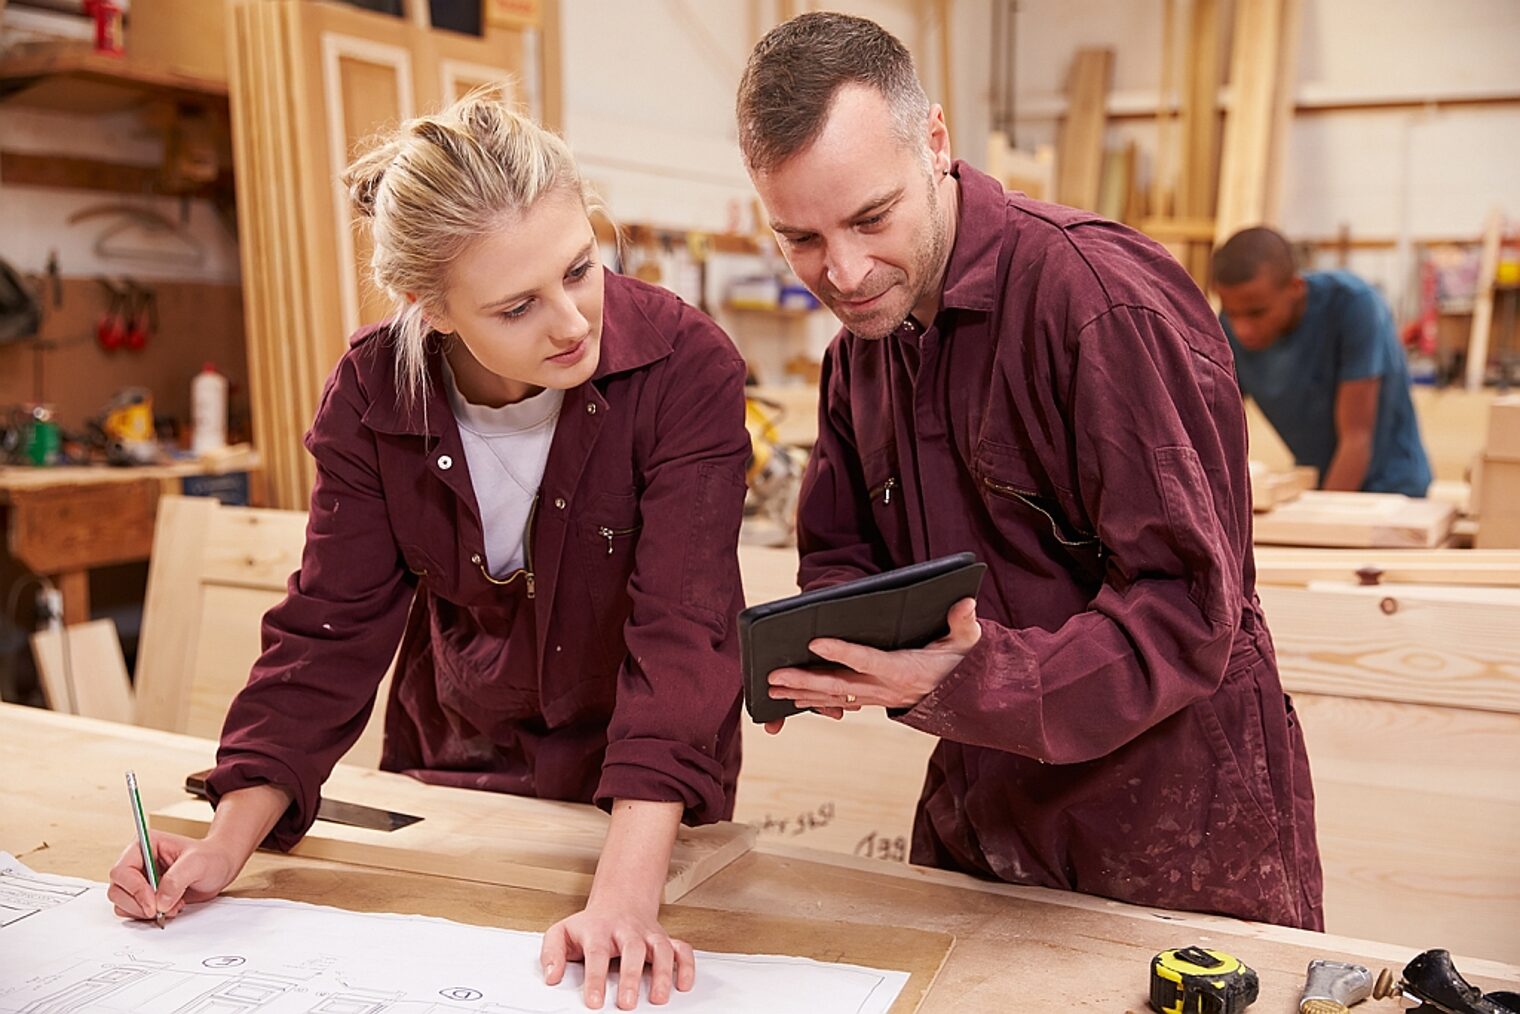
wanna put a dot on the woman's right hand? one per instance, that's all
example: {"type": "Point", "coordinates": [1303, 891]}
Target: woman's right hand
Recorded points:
{"type": "Point", "coordinates": [193, 870]}
{"type": "Point", "coordinates": [197, 869]}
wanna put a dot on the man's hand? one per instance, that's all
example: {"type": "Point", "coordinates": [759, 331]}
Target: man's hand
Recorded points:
{"type": "Point", "coordinates": [867, 677]}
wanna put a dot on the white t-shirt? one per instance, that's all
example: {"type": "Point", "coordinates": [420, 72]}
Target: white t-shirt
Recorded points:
{"type": "Point", "coordinates": [506, 449]}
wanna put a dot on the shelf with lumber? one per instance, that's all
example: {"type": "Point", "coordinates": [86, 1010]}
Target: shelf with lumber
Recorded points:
{"type": "Point", "coordinates": [649, 236]}
{"type": "Point", "coordinates": [783, 312]}
{"type": "Point", "coordinates": [71, 79]}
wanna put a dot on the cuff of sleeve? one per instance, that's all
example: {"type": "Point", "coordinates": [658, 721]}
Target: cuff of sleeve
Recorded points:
{"type": "Point", "coordinates": [991, 699]}
{"type": "Point", "coordinates": [663, 771]}
{"type": "Point", "coordinates": [241, 771]}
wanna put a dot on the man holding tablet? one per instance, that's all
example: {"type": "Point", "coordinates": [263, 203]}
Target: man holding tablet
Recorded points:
{"type": "Point", "coordinates": [1051, 392]}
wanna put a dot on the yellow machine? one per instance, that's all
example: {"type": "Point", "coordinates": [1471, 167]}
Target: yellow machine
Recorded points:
{"type": "Point", "coordinates": [774, 475]}
{"type": "Point", "coordinates": [127, 423]}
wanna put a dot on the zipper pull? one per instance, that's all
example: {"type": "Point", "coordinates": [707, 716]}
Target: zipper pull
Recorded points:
{"type": "Point", "coordinates": [607, 534]}
{"type": "Point", "coordinates": [886, 492]}
{"type": "Point", "coordinates": [528, 576]}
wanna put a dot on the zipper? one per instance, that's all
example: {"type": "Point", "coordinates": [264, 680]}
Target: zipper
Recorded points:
{"type": "Point", "coordinates": [1027, 500]}
{"type": "Point", "coordinates": [885, 489]}
{"type": "Point", "coordinates": [610, 533]}
{"type": "Point", "coordinates": [525, 572]}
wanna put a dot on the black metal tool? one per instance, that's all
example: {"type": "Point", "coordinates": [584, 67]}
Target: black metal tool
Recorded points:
{"type": "Point", "coordinates": [1433, 981]}
{"type": "Point", "coordinates": [332, 810]}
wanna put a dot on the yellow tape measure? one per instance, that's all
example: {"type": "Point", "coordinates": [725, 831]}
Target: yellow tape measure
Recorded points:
{"type": "Point", "coordinates": [1195, 980]}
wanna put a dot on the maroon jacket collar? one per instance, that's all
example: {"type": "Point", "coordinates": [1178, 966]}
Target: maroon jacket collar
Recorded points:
{"type": "Point", "coordinates": [635, 333]}
{"type": "Point", "coordinates": [971, 281]}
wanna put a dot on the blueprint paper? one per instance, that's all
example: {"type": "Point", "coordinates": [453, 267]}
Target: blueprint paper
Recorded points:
{"type": "Point", "coordinates": [64, 951]}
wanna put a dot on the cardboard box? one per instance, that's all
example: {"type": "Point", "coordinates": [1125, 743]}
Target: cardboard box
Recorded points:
{"type": "Point", "coordinates": [181, 36]}
{"type": "Point", "coordinates": [1499, 505]}
{"type": "Point", "coordinates": [1504, 428]}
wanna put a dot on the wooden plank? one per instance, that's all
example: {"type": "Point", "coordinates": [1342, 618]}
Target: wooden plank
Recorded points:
{"type": "Point", "coordinates": [1483, 302]}
{"type": "Point", "coordinates": [1163, 185]}
{"type": "Point", "coordinates": [171, 612]}
{"type": "Point", "coordinates": [1270, 488]}
{"type": "Point", "coordinates": [1199, 174]}
{"type": "Point", "coordinates": [1079, 162]}
{"type": "Point", "coordinates": [1389, 779]}
{"type": "Point", "coordinates": [1284, 101]}
{"type": "Point", "coordinates": [1281, 565]}
{"type": "Point", "coordinates": [1261, 52]}
{"type": "Point", "coordinates": [20, 168]}
{"type": "Point", "coordinates": [1499, 503]}
{"type": "Point", "coordinates": [486, 837]}
{"type": "Point", "coordinates": [1356, 520]}
{"type": "Point", "coordinates": [1387, 644]}
{"type": "Point", "coordinates": [248, 547]}
{"type": "Point", "coordinates": [91, 680]}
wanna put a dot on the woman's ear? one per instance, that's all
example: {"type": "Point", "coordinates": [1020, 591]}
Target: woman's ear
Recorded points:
{"type": "Point", "coordinates": [434, 320]}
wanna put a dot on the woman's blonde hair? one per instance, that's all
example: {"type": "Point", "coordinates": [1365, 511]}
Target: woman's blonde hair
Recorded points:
{"type": "Point", "coordinates": [435, 186]}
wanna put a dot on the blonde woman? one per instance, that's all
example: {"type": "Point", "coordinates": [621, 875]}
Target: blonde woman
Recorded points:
{"type": "Point", "coordinates": [531, 478]}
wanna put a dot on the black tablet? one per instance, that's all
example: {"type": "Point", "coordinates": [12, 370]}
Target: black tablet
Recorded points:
{"type": "Point", "coordinates": [902, 608]}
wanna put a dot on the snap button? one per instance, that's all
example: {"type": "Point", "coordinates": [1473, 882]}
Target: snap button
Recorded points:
{"type": "Point", "coordinates": [445, 462]}
{"type": "Point", "coordinates": [591, 408]}
{"type": "Point", "coordinates": [559, 502]}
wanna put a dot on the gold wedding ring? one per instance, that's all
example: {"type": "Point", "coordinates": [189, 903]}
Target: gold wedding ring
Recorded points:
{"type": "Point", "coordinates": [849, 698]}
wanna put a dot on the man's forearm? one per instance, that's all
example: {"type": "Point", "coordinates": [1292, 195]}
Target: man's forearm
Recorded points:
{"type": "Point", "coordinates": [1348, 468]}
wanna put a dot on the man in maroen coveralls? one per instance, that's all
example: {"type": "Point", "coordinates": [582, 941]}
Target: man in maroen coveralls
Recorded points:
{"type": "Point", "coordinates": [1050, 391]}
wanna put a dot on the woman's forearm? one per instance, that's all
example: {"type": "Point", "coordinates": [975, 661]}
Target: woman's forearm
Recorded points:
{"type": "Point", "coordinates": [636, 856]}
{"type": "Point", "coordinates": [244, 818]}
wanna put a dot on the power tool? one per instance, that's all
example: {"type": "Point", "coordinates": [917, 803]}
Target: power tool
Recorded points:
{"type": "Point", "coordinates": [1196, 980]}
{"type": "Point", "coordinates": [1432, 981]}
{"type": "Point", "coordinates": [1332, 987]}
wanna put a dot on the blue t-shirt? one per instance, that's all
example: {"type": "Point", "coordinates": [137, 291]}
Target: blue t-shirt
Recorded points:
{"type": "Point", "coordinates": [1346, 334]}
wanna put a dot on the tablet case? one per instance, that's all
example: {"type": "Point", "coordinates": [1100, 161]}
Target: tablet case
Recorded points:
{"type": "Point", "coordinates": [902, 608]}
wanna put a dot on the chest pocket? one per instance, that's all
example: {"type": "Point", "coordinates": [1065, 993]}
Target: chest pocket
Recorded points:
{"type": "Point", "coordinates": [606, 537]}
{"type": "Point", "coordinates": [884, 489]}
{"type": "Point", "coordinates": [1018, 502]}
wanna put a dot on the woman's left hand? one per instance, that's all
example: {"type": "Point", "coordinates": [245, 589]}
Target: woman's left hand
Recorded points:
{"type": "Point", "coordinates": [613, 927]}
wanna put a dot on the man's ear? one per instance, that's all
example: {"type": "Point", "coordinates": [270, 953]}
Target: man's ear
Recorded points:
{"type": "Point", "coordinates": [939, 140]}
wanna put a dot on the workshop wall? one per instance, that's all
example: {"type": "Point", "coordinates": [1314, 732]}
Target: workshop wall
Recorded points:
{"type": "Point", "coordinates": [37, 218]}
{"type": "Point", "coordinates": [655, 130]}
{"type": "Point", "coordinates": [66, 368]}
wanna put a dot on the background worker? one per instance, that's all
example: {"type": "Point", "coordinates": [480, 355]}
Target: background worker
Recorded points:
{"type": "Point", "coordinates": [1318, 352]}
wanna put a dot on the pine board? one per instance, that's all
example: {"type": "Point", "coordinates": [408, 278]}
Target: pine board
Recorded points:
{"type": "Point", "coordinates": [487, 837]}
{"type": "Point", "coordinates": [1289, 565]}
{"type": "Point", "coordinates": [1356, 520]}
{"type": "Point", "coordinates": [1384, 644]}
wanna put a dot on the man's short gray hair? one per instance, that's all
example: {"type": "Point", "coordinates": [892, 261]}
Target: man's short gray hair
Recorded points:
{"type": "Point", "coordinates": [796, 71]}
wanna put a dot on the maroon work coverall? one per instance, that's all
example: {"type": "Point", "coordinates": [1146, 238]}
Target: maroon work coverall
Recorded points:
{"type": "Point", "coordinates": [1071, 416]}
{"type": "Point", "coordinates": [607, 669]}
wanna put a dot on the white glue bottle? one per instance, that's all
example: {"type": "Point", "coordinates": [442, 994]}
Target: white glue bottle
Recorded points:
{"type": "Point", "coordinates": [208, 411]}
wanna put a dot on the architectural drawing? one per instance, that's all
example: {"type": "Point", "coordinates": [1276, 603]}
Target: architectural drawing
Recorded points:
{"type": "Point", "coordinates": [63, 951]}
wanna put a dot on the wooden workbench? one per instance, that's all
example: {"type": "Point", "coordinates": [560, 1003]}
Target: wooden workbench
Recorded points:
{"type": "Point", "coordinates": [63, 522]}
{"type": "Point", "coordinates": [62, 810]}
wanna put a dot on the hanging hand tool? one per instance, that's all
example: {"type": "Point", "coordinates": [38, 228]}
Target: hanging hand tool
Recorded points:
{"type": "Point", "coordinates": [1433, 982]}
{"type": "Point", "coordinates": [1194, 980]}
{"type": "Point", "coordinates": [1332, 987]}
